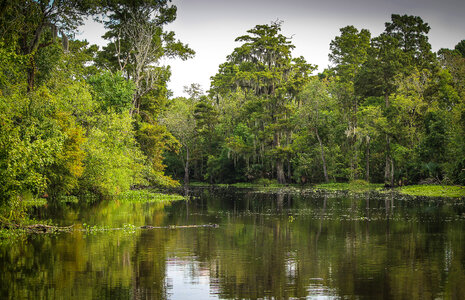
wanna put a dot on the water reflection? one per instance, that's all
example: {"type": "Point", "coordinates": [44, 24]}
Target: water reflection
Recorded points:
{"type": "Point", "coordinates": [269, 245]}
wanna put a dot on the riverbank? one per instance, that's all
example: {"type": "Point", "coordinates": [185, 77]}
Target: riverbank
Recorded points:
{"type": "Point", "coordinates": [453, 191]}
{"type": "Point", "coordinates": [358, 186]}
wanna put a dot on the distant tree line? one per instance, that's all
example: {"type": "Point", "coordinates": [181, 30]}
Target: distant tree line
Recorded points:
{"type": "Point", "coordinates": [387, 110]}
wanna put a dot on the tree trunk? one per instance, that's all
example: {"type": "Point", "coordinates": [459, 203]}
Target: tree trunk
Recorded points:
{"type": "Point", "coordinates": [322, 152]}
{"type": "Point", "coordinates": [355, 157]}
{"type": "Point", "coordinates": [355, 164]}
{"type": "Point", "coordinates": [31, 49]}
{"type": "Point", "coordinates": [387, 171]}
{"type": "Point", "coordinates": [368, 161]}
{"type": "Point", "coordinates": [280, 172]}
{"type": "Point", "coordinates": [289, 172]}
{"type": "Point", "coordinates": [389, 167]}
{"type": "Point", "coordinates": [392, 172]}
{"type": "Point", "coordinates": [279, 163]}
{"type": "Point", "coordinates": [186, 168]}
{"type": "Point", "coordinates": [30, 78]}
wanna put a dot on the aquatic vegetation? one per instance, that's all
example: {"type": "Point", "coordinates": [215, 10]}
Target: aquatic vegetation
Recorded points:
{"type": "Point", "coordinates": [433, 190]}
{"type": "Point", "coordinates": [69, 199]}
{"type": "Point", "coordinates": [35, 202]}
{"type": "Point", "coordinates": [129, 228]}
{"type": "Point", "coordinates": [148, 196]}
{"type": "Point", "coordinates": [11, 236]}
{"type": "Point", "coordinates": [353, 186]}
{"type": "Point", "coordinates": [93, 228]}
{"type": "Point", "coordinates": [268, 185]}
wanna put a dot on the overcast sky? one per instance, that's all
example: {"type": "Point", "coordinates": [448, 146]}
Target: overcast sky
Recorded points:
{"type": "Point", "coordinates": [210, 27]}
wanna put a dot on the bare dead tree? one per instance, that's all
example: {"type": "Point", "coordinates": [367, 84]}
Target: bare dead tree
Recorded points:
{"type": "Point", "coordinates": [140, 61]}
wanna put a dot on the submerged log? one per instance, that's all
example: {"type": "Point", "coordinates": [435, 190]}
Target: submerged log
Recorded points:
{"type": "Point", "coordinates": [180, 226]}
{"type": "Point", "coordinates": [43, 228]}
{"type": "Point", "coordinates": [35, 228]}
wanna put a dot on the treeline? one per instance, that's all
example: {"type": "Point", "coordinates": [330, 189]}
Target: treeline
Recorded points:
{"type": "Point", "coordinates": [387, 110]}
{"type": "Point", "coordinates": [75, 119]}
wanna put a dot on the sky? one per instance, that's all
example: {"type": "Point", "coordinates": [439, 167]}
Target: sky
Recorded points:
{"type": "Point", "coordinates": [211, 26]}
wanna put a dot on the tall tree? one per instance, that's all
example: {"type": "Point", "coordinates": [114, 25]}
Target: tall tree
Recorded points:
{"type": "Point", "coordinates": [36, 24]}
{"type": "Point", "coordinates": [378, 79]}
{"type": "Point", "coordinates": [314, 114]}
{"type": "Point", "coordinates": [453, 62]}
{"type": "Point", "coordinates": [411, 34]}
{"type": "Point", "coordinates": [180, 121]}
{"type": "Point", "coordinates": [401, 50]}
{"type": "Point", "coordinates": [348, 53]}
{"type": "Point", "coordinates": [460, 48]}
{"type": "Point", "coordinates": [263, 68]}
{"type": "Point", "coordinates": [138, 42]}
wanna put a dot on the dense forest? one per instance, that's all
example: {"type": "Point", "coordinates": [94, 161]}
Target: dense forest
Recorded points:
{"type": "Point", "coordinates": [388, 110]}
{"type": "Point", "coordinates": [76, 119]}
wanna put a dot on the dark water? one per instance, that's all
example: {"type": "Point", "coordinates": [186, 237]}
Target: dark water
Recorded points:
{"type": "Point", "coordinates": [268, 246]}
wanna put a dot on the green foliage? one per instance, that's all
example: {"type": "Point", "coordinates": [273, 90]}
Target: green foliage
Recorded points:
{"type": "Point", "coordinates": [34, 27]}
{"type": "Point", "coordinates": [433, 190]}
{"type": "Point", "coordinates": [68, 167]}
{"type": "Point", "coordinates": [457, 172]}
{"type": "Point", "coordinates": [79, 61]}
{"type": "Point", "coordinates": [357, 186]}
{"type": "Point", "coordinates": [138, 42]}
{"type": "Point", "coordinates": [265, 182]}
{"type": "Point", "coordinates": [433, 146]}
{"type": "Point", "coordinates": [383, 112]}
{"type": "Point", "coordinates": [460, 48]}
{"type": "Point", "coordinates": [264, 80]}
{"type": "Point", "coordinates": [113, 161]}
{"type": "Point", "coordinates": [240, 144]}
{"type": "Point", "coordinates": [349, 52]}
{"type": "Point", "coordinates": [66, 125]}
{"type": "Point", "coordinates": [112, 92]}
{"type": "Point", "coordinates": [411, 33]}
{"type": "Point", "coordinates": [154, 140]}
{"type": "Point", "coordinates": [147, 196]}
{"type": "Point", "coordinates": [12, 66]}
{"type": "Point", "coordinates": [47, 60]}
{"type": "Point", "coordinates": [31, 139]}
{"type": "Point", "coordinates": [15, 211]}
{"type": "Point", "coordinates": [76, 99]}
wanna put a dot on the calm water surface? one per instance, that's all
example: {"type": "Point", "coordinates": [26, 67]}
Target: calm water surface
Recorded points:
{"type": "Point", "coordinates": [269, 245]}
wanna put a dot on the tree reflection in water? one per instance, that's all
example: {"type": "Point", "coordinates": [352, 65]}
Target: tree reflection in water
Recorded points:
{"type": "Point", "coordinates": [269, 245]}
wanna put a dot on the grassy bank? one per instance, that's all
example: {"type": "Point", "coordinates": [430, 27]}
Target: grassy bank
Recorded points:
{"type": "Point", "coordinates": [353, 186]}
{"type": "Point", "coordinates": [359, 186]}
{"type": "Point", "coordinates": [258, 184]}
{"type": "Point", "coordinates": [148, 196]}
{"type": "Point", "coordinates": [452, 191]}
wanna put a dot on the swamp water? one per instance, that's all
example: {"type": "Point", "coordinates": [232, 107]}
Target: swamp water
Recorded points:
{"type": "Point", "coordinates": [269, 245]}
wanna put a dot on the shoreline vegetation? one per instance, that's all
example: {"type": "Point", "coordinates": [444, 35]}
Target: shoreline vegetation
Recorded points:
{"type": "Point", "coordinates": [16, 222]}
{"type": "Point", "coordinates": [18, 225]}
{"type": "Point", "coordinates": [357, 186]}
